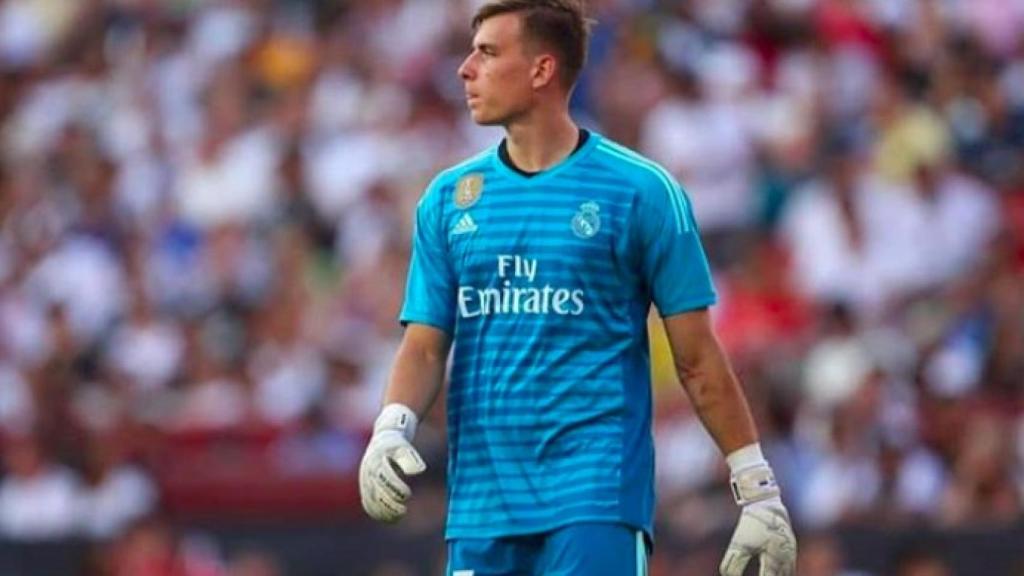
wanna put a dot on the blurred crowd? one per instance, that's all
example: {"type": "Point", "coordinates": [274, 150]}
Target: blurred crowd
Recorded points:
{"type": "Point", "coordinates": [206, 207]}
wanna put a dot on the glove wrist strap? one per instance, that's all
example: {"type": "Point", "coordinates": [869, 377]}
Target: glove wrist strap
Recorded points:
{"type": "Point", "coordinates": [752, 479]}
{"type": "Point", "coordinates": [753, 485]}
{"type": "Point", "coordinates": [397, 417]}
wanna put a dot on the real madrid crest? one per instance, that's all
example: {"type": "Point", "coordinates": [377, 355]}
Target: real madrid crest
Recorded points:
{"type": "Point", "coordinates": [468, 190]}
{"type": "Point", "coordinates": [587, 221]}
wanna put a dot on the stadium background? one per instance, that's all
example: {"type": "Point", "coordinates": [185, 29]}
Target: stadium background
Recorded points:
{"type": "Point", "coordinates": [205, 219]}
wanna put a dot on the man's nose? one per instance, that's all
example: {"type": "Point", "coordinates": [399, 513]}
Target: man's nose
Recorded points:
{"type": "Point", "coordinates": [466, 68]}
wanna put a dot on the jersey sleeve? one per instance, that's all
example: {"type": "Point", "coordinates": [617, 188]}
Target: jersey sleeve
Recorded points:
{"type": "Point", "coordinates": [430, 287]}
{"type": "Point", "coordinates": [674, 265]}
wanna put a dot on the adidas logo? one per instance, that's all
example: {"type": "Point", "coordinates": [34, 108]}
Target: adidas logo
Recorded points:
{"type": "Point", "coordinates": [465, 225]}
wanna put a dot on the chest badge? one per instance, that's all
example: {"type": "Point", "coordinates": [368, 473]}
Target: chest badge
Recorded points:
{"type": "Point", "coordinates": [468, 190]}
{"type": "Point", "coordinates": [587, 221]}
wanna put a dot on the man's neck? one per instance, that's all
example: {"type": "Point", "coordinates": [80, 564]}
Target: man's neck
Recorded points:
{"type": "Point", "coordinates": [539, 144]}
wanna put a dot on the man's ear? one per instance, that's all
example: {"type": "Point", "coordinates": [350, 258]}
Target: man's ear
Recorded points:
{"type": "Point", "coordinates": [545, 70]}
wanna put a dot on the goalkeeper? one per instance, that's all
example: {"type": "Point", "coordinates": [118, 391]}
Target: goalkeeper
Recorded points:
{"type": "Point", "coordinates": [536, 263]}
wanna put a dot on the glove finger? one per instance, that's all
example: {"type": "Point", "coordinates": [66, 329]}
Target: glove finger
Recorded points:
{"type": "Point", "coordinates": [381, 506]}
{"type": "Point", "coordinates": [408, 460]}
{"type": "Point", "coordinates": [734, 562]}
{"type": "Point", "coordinates": [367, 488]}
{"type": "Point", "coordinates": [768, 566]}
{"type": "Point", "coordinates": [391, 510]}
{"type": "Point", "coordinates": [368, 497]}
{"type": "Point", "coordinates": [783, 552]}
{"type": "Point", "coordinates": [387, 479]}
{"type": "Point", "coordinates": [771, 566]}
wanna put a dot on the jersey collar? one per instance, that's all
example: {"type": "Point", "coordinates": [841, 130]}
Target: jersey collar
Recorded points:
{"type": "Point", "coordinates": [588, 140]}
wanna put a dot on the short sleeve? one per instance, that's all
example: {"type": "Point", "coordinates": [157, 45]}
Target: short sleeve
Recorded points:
{"type": "Point", "coordinates": [675, 267]}
{"type": "Point", "coordinates": [430, 287]}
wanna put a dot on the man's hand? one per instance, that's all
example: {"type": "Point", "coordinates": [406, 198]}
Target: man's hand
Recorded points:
{"type": "Point", "coordinates": [764, 528]}
{"type": "Point", "coordinates": [763, 531]}
{"type": "Point", "coordinates": [381, 489]}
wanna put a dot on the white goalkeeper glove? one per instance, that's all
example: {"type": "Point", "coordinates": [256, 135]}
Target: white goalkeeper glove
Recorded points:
{"type": "Point", "coordinates": [764, 528]}
{"type": "Point", "coordinates": [381, 489]}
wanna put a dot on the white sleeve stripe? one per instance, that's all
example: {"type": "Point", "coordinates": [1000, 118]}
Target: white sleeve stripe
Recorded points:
{"type": "Point", "coordinates": [674, 193]}
{"type": "Point", "coordinates": [665, 175]}
{"type": "Point", "coordinates": [649, 163]}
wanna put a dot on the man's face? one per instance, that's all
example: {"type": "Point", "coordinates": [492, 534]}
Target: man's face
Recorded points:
{"type": "Point", "coordinates": [498, 73]}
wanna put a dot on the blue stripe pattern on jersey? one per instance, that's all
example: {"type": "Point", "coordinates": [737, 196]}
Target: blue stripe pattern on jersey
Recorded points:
{"type": "Point", "coordinates": [544, 284]}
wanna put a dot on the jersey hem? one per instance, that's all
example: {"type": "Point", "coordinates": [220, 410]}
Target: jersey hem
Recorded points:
{"type": "Point", "coordinates": [484, 533]}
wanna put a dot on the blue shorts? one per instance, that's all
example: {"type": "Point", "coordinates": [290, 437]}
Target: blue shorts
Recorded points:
{"type": "Point", "coordinates": [575, 550]}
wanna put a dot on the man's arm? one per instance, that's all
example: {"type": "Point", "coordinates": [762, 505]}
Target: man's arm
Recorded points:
{"type": "Point", "coordinates": [709, 381]}
{"type": "Point", "coordinates": [764, 528]}
{"type": "Point", "coordinates": [416, 379]}
{"type": "Point", "coordinates": [419, 368]}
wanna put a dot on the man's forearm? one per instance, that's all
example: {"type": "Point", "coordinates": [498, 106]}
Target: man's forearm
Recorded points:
{"type": "Point", "coordinates": [416, 378]}
{"type": "Point", "coordinates": [718, 400]}
{"type": "Point", "coordinates": [390, 457]}
{"type": "Point", "coordinates": [764, 529]}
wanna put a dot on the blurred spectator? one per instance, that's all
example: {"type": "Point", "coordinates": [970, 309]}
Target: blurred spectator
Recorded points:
{"type": "Point", "coordinates": [152, 548]}
{"type": "Point", "coordinates": [849, 235]}
{"type": "Point", "coordinates": [288, 373]}
{"type": "Point", "coordinates": [703, 142]}
{"type": "Point", "coordinates": [837, 365]}
{"type": "Point", "coordinates": [847, 480]}
{"type": "Point", "coordinates": [115, 493]}
{"type": "Point", "coordinates": [761, 314]}
{"type": "Point", "coordinates": [16, 405]}
{"type": "Point", "coordinates": [822, 555]}
{"type": "Point", "coordinates": [144, 350]}
{"type": "Point", "coordinates": [212, 396]}
{"type": "Point", "coordinates": [38, 496]}
{"type": "Point", "coordinates": [83, 278]}
{"type": "Point", "coordinates": [228, 177]}
{"type": "Point", "coordinates": [982, 491]}
{"type": "Point", "coordinates": [316, 447]}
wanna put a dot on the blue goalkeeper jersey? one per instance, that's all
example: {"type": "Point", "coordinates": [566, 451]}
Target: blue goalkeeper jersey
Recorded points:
{"type": "Point", "coordinates": [544, 283]}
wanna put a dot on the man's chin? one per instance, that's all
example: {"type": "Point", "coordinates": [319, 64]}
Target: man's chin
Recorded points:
{"type": "Point", "coordinates": [483, 119]}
